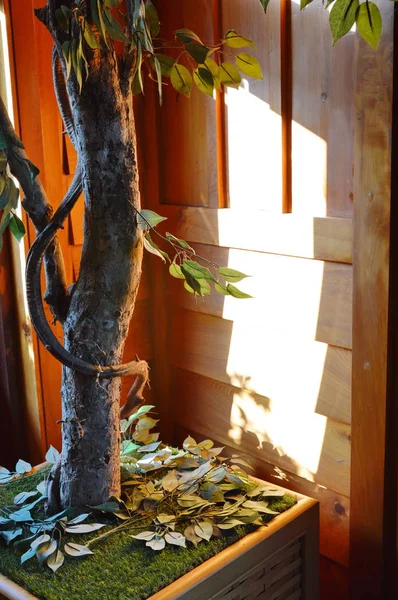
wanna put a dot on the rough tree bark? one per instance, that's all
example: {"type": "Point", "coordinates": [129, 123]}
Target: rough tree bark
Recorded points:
{"type": "Point", "coordinates": [102, 300]}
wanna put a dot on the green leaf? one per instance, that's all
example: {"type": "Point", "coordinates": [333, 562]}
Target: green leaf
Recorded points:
{"type": "Point", "coordinates": [148, 218]}
{"type": "Point", "coordinates": [187, 36]}
{"type": "Point", "coordinates": [181, 79]}
{"type": "Point", "coordinates": [231, 275]}
{"type": "Point", "coordinates": [113, 27]}
{"type": "Point", "coordinates": [21, 516]}
{"type": "Point", "coordinates": [191, 284]}
{"type": "Point", "coordinates": [342, 17]}
{"type": "Point", "coordinates": [264, 4]}
{"type": "Point", "coordinates": [112, 3]}
{"type": "Point", "coordinates": [138, 84]}
{"type": "Point", "coordinates": [56, 560]}
{"type": "Point", "coordinates": [23, 496]}
{"type": "Point", "coordinates": [153, 248]}
{"type": "Point", "coordinates": [175, 271]}
{"type": "Point", "coordinates": [143, 410]}
{"type": "Point", "coordinates": [214, 69]}
{"type": "Point", "coordinates": [198, 52]}
{"type": "Point", "coordinates": [52, 455]}
{"type": "Point", "coordinates": [62, 15]}
{"type": "Point", "coordinates": [178, 241]}
{"type": "Point", "coordinates": [229, 75]}
{"type": "Point", "coordinates": [369, 23]}
{"type": "Point", "coordinates": [23, 467]}
{"type": "Point", "coordinates": [27, 555]}
{"type": "Point", "coordinates": [261, 507]}
{"type": "Point", "coordinates": [233, 291]}
{"type": "Point", "coordinates": [66, 52]}
{"type": "Point", "coordinates": [204, 80]}
{"type": "Point", "coordinates": [77, 549]}
{"type": "Point", "coordinates": [107, 507]}
{"type": "Point", "coordinates": [166, 63]}
{"type": "Point", "coordinates": [197, 270]}
{"type": "Point", "coordinates": [152, 18]}
{"type": "Point", "coordinates": [235, 40]}
{"type": "Point", "coordinates": [221, 289]}
{"type": "Point", "coordinates": [8, 536]}
{"type": "Point", "coordinates": [17, 227]}
{"type": "Point", "coordinates": [86, 528]}
{"type": "Point", "coordinates": [90, 38]}
{"type": "Point", "coordinates": [175, 538]}
{"type": "Point", "coordinates": [158, 69]}
{"type": "Point", "coordinates": [249, 65]}
{"type": "Point", "coordinates": [3, 143]}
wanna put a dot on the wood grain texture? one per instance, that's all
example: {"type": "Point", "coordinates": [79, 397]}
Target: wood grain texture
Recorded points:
{"type": "Point", "coordinates": [253, 113]}
{"type": "Point", "coordinates": [372, 484]}
{"type": "Point", "coordinates": [316, 448]}
{"type": "Point", "coordinates": [323, 115]}
{"type": "Point", "coordinates": [292, 297]}
{"type": "Point", "coordinates": [188, 145]}
{"type": "Point", "coordinates": [334, 580]}
{"type": "Point", "coordinates": [328, 239]}
{"type": "Point", "coordinates": [334, 507]}
{"type": "Point", "coordinates": [312, 376]}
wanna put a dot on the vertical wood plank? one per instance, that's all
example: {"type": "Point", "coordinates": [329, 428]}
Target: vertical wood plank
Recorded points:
{"type": "Point", "coordinates": [286, 103]}
{"type": "Point", "coordinates": [322, 131]}
{"type": "Point", "coordinates": [372, 484]}
{"type": "Point", "coordinates": [253, 113]}
{"type": "Point", "coordinates": [188, 152]}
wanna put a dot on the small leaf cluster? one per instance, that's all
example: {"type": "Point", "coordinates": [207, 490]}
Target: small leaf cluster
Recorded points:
{"type": "Point", "coordinates": [170, 496]}
{"type": "Point", "coordinates": [184, 495]}
{"type": "Point", "coordinates": [37, 535]}
{"type": "Point", "coordinates": [345, 13]}
{"type": "Point", "coordinates": [9, 193]}
{"type": "Point", "coordinates": [197, 277]}
{"type": "Point", "coordinates": [96, 25]}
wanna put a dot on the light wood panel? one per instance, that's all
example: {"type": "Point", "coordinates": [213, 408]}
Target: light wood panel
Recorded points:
{"type": "Point", "coordinates": [334, 507]}
{"type": "Point", "coordinates": [323, 115]}
{"type": "Point", "coordinates": [316, 448]}
{"type": "Point", "coordinates": [373, 532]}
{"type": "Point", "coordinates": [254, 126]}
{"type": "Point", "coordinates": [305, 376]}
{"type": "Point", "coordinates": [188, 145]}
{"type": "Point", "coordinates": [299, 298]}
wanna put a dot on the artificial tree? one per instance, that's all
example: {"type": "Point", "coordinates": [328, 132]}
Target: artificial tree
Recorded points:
{"type": "Point", "coordinates": [103, 50]}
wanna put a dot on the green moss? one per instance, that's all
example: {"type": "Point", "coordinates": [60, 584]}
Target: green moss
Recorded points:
{"type": "Point", "coordinates": [121, 568]}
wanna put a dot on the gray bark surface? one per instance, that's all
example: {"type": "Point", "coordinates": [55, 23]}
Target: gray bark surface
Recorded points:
{"type": "Point", "coordinates": [103, 298]}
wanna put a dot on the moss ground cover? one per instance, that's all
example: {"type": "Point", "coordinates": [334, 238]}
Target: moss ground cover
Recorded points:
{"type": "Point", "coordinates": [121, 568]}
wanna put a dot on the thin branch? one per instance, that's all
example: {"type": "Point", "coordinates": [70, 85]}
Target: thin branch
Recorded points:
{"type": "Point", "coordinates": [40, 213]}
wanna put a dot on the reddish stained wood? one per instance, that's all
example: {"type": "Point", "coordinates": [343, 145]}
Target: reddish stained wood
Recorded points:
{"type": "Point", "coordinates": [373, 489]}
{"type": "Point", "coordinates": [286, 104]}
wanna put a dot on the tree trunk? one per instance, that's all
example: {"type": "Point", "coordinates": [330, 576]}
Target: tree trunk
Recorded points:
{"type": "Point", "coordinates": [103, 298]}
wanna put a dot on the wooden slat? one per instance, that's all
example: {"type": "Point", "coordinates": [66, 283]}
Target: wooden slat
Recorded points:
{"type": "Point", "coordinates": [295, 297]}
{"type": "Point", "coordinates": [316, 448]}
{"type": "Point", "coordinates": [334, 507]}
{"type": "Point", "coordinates": [334, 580]}
{"type": "Point", "coordinates": [254, 125]}
{"type": "Point", "coordinates": [303, 377]}
{"type": "Point", "coordinates": [373, 533]}
{"type": "Point", "coordinates": [327, 239]}
{"type": "Point", "coordinates": [323, 115]}
{"type": "Point", "coordinates": [188, 145]}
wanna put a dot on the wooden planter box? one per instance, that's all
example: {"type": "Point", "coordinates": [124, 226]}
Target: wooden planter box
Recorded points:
{"type": "Point", "coordinates": [277, 562]}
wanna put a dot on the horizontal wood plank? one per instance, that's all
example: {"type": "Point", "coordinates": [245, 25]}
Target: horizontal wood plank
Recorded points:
{"type": "Point", "coordinates": [307, 299]}
{"type": "Point", "coordinates": [310, 377]}
{"type": "Point", "coordinates": [316, 448]}
{"type": "Point", "coordinates": [334, 507]}
{"type": "Point", "coordinates": [323, 238]}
